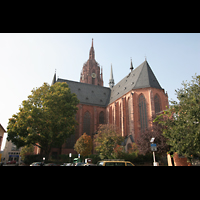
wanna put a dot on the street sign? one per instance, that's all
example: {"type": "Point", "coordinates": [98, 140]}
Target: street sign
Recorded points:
{"type": "Point", "coordinates": [153, 147]}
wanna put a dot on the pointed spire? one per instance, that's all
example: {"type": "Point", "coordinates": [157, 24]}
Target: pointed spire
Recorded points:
{"type": "Point", "coordinates": [54, 78]}
{"type": "Point", "coordinates": [111, 72]}
{"type": "Point", "coordinates": [111, 80]}
{"type": "Point", "coordinates": [91, 56]}
{"type": "Point", "coordinates": [101, 73]}
{"type": "Point", "coordinates": [131, 68]}
{"type": "Point", "coordinates": [145, 57]}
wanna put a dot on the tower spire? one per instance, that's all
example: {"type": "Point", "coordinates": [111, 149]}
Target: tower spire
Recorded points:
{"type": "Point", "coordinates": [111, 80]}
{"type": "Point", "coordinates": [91, 56]}
{"type": "Point", "coordinates": [131, 68]}
{"type": "Point", "coordinates": [54, 78]}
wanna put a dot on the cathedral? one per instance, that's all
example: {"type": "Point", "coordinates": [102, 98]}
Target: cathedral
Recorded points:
{"type": "Point", "coordinates": [129, 104]}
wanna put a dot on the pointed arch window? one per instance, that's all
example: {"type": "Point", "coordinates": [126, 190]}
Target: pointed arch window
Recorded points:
{"type": "Point", "coordinates": [143, 113]}
{"type": "Point", "coordinates": [86, 123]}
{"type": "Point", "coordinates": [157, 104]}
{"type": "Point", "coordinates": [101, 118]}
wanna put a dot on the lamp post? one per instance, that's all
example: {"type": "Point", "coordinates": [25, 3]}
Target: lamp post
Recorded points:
{"type": "Point", "coordinates": [43, 160]}
{"type": "Point", "coordinates": [70, 155]}
{"type": "Point", "coordinates": [153, 148]}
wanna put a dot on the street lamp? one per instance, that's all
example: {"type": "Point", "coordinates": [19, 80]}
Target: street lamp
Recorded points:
{"type": "Point", "coordinates": [152, 139]}
{"type": "Point", "coordinates": [70, 155]}
{"type": "Point", "coordinates": [153, 148]}
{"type": "Point", "coordinates": [43, 160]}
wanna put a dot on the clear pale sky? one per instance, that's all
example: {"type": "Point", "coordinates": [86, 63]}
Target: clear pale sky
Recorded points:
{"type": "Point", "coordinates": [29, 60]}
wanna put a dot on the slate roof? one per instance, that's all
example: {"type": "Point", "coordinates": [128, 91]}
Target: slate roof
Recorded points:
{"type": "Point", "coordinates": [141, 77]}
{"type": "Point", "coordinates": [88, 93]}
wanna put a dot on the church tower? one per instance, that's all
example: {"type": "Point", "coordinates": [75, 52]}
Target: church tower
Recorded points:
{"type": "Point", "coordinates": [91, 70]}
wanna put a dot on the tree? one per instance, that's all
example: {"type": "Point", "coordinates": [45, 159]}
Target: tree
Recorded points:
{"type": "Point", "coordinates": [143, 141]}
{"type": "Point", "coordinates": [107, 139]}
{"type": "Point", "coordinates": [26, 150]}
{"type": "Point", "coordinates": [46, 119]}
{"type": "Point", "coordinates": [84, 145]}
{"type": "Point", "coordinates": [182, 121]}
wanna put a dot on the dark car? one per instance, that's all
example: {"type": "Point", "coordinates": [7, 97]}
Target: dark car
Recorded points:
{"type": "Point", "coordinates": [51, 164]}
{"type": "Point", "coordinates": [11, 162]}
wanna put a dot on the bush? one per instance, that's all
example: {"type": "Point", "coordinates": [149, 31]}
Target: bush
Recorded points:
{"type": "Point", "coordinates": [32, 158]}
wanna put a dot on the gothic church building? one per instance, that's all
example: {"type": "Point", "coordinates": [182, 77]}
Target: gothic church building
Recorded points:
{"type": "Point", "coordinates": [129, 104]}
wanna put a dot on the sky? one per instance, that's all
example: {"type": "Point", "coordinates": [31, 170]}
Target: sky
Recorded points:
{"type": "Point", "coordinates": [29, 60]}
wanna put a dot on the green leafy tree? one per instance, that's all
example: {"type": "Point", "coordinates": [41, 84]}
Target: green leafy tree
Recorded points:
{"type": "Point", "coordinates": [46, 119]}
{"type": "Point", "coordinates": [182, 121]}
{"type": "Point", "coordinates": [107, 139]}
{"type": "Point", "coordinates": [26, 150]}
{"type": "Point", "coordinates": [84, 145]}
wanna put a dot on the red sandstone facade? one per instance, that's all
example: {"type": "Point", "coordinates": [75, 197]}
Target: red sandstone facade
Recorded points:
{"type": "Point", "coordinates": [130, 104]}
{"type": "Point", "coordinates": [124, 112]}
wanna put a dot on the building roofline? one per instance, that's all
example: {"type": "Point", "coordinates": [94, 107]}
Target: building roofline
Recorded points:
{"type": "Point", "coordinates": [3, 128]}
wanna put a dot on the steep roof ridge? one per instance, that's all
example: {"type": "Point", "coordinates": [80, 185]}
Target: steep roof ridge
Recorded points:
{"type": "Point", "coordinates": [146, 77]}
{"type": "Point", "coordinates": [140, 66]}
{"type": "Point", "coordinates": [141, 77]}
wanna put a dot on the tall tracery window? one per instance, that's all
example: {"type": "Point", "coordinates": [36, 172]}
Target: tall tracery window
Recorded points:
{"type": "Point", "coordinates": [157, 104]}
{"type": "Point", "coordinates": [101, 117]}
{"type": "Point", "coordinates": [143, 113]}
{"type": "Point", "coordinates": [129, 113]}
{"type": "Point", "coordinates": [86, 123]}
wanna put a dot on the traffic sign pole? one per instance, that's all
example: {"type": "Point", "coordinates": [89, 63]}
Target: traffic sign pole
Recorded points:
{"type": "Point", "coordinates": [153, 149]}
{"type": "Point", "coordinates": [154, 159]}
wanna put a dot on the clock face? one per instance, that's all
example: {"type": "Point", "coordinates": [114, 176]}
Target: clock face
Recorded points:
{"type": "Point", "coordinates": [93, 75]}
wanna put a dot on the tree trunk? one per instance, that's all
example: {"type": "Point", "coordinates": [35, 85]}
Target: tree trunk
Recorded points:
{"type": "Point", "coordinates": [47, 152]}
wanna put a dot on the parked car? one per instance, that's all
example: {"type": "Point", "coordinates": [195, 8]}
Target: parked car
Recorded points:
{"type": "Point", "coordinates": [51, 164]}
{"type": "Point", "coordinates": [113, 162]}
{"type": "Point", "coordinates": [80, 164]}
{"type": "Point", "coordinates": [66, 164]}
{"type": "Point", "coordinates": [11, 162]}
{"type": "Point", "coordinates": [37, 164]}
{"type": "Point", "coordinates": [90, 164]}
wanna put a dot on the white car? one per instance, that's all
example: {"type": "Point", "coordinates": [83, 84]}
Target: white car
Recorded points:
{"type": "Point", "coordinates": [37, 164]}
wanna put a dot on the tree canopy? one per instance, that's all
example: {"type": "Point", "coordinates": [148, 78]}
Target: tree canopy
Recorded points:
{"type": "Point", "coordinates": [107, 139]}
{"type": "Point", "coordinates": [45, 119]}
{"type": "Point", "coordinates": [181, 121]}
{"type": "Point", "coordinates": [84, 145]}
